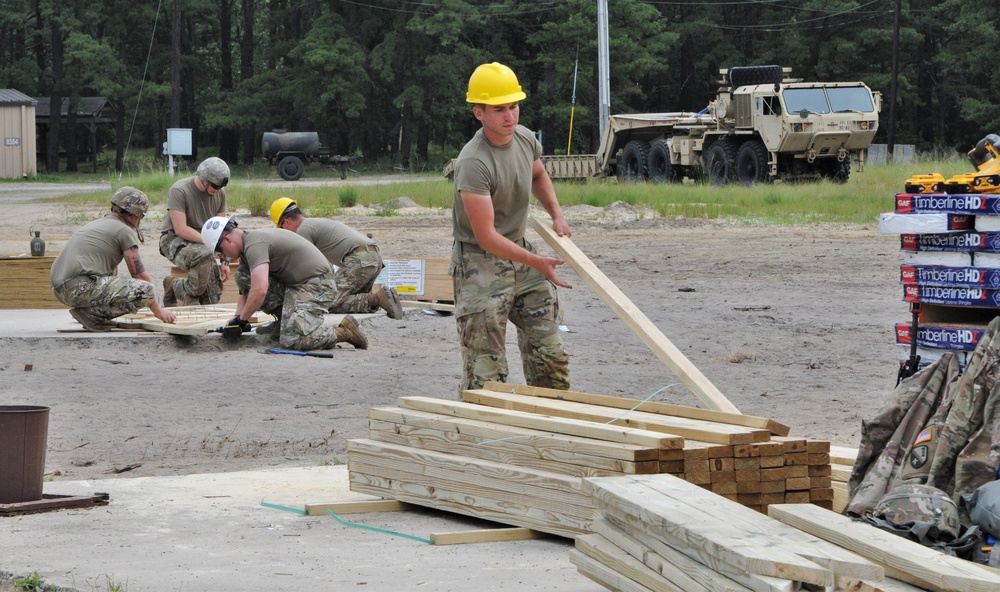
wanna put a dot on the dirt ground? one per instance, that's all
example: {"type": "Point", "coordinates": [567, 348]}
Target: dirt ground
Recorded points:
{"type": "Point", "coordinates": [791, 323]}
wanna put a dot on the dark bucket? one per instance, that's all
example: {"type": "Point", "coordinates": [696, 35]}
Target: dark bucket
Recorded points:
{"type": "Point", "coordinates": [24, 432]}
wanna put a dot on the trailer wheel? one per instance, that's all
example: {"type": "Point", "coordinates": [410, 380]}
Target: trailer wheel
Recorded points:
{"type": "Point", "coordinates": [751, 163]}
{"type": "Point", "coordinates": [658, 163]}
{"type": "Point", "coordinates": [719, 162]}
{"type": "Point", "coordinates": [290, 168]}
{"type": "Point", "coordinates": [632, 162]}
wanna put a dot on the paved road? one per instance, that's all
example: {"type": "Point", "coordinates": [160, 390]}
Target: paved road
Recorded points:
{"type": "Point", "coordinates": [27, 192]}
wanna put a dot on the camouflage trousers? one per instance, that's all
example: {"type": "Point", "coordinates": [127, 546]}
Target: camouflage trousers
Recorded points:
{"type": "Point", "coordinates": [203, 282]}
{"type": "Point", "coordinates": [355, 278]}
{"type": "Point", "coordinates": [104, 298]}
{"type": "Point", "coordinates": [300, 309]}
{"type": "Point", "coordinates": [490, 291]}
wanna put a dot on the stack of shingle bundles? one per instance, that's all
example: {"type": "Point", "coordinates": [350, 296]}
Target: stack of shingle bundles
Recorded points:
{"type": "Point", "coordinates": [951, 246]}
{"type": "Point", "coordinates": [518, 458]}
{"type": "Point", "coordinates": [657, 532]}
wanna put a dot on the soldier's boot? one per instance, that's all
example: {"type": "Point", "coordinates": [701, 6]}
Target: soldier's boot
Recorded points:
{"type": "Point", "coordinates": [169, 298]}
{"type": "Point", "coordinates": [388, 300]}
{"type": "Point", "coordinates": [348, 331]}
{"type": "Point", "coordinates": [88, 323]}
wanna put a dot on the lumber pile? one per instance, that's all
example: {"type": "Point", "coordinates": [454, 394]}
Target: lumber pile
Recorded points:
{"type": "Point", "coordinates": [657, 532]}
{"type": "Point", "coordinates": [24, 282]}
{"type": "Point", "coordinates": [517, 455]}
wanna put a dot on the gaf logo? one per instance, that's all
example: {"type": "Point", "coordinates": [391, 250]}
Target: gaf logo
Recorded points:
{"type": "Point", "coordinates": [903, 203]}
{"type": "Point", "coordinates": [908, 274]}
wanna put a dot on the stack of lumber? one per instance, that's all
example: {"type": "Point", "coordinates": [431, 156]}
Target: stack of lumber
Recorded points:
{"type": "Point", "coordinates": [657, 532]}
{"type": "Point", "coordinates": [841, 465]}
{"type": "Point", "coordinates": [516, 454]}
{"type": "Point", "coordinates": [24, 282]}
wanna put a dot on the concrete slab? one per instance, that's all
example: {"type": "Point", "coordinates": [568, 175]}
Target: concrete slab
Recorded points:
{"type": "Point", "coordinates": [211, 532]}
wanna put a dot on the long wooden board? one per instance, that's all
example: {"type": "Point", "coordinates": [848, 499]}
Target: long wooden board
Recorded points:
{"type": "Point", "coordinates": [903, 559]}
{"type": "Point", "coordinates": [640, 324]}
{"type": "Point", "coordinates": [659, 407]}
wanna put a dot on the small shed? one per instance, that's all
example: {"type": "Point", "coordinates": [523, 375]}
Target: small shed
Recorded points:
{"type": "Point", "coordinates": [17, 128]}
{"type": "Point", "coordinates": [90, 112]}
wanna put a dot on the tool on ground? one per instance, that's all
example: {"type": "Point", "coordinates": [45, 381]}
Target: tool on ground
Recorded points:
{"type": "Point", "coordinates": [300, 353]}
{"type": "Point", "coordinates": [232, 332]}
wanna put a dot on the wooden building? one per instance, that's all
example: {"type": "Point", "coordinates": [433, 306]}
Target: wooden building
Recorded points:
{"type": "Point", "coordinates": [17, 127]}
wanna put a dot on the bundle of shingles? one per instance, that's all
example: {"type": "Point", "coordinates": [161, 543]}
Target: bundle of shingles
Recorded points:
{"type": "Point", "coordinates": [517, 455]}
{"type": "Point", "coordinates": [657, 532]}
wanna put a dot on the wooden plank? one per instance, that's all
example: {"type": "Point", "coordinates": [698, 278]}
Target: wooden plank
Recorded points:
{"type": "Point", "coordinates": [438, 306]}
{"type": "Point", "coordinates": [485, 535]}
{"type": "Point", "coordinates": [830, 556]}
{"type": "Point", "coordinates": [680, 525]}
{"type": "Point", "coordinates": [903, 559]}
{"type": "Point", "coordinates": [26, 283]}
{"type": "Point", "coordinates": [539, 440]}
{"type": "Point", "coordinates": [657, 407]}
{"type": "Point", "coordinates": [607, 577]}
{"type": "Point", "coordinates": [433, 494]}
{"type": "Point", "coordinates": [356, 507]}
{"type": "Point", "coordinates": [600, 549]}
{"type": "Point", "coordinates": [842, 455]}
{"type": "Point", "coordinates": [688, 428]}
{"type": "Point", "coordinates": [697, 555]}
{"type": "Point", "coordinates": [639, 323]}
{"type": "Point", "coordinates": [669, 562]}
{"type": "Point", "coordinates": [533, 421]}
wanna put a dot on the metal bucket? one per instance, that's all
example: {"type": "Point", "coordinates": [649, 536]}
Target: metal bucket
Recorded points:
{"type": "Point", "coordinates": [24, 432]}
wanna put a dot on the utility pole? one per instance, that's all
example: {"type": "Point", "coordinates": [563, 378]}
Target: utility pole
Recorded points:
{"type": "Point", "coordinates": [603, 73]}
{"type": "Point", "coordinates": [890, 145]}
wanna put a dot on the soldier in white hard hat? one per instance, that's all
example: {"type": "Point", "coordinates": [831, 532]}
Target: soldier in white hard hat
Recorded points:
{"type": "Point", "coordinates": [289, 279]}
{"type": "Point", "coordinates": [190, 203]}
{"type": "Point", "coordinates": [497, 274]}
{"type": "Point", "coordinates": [84, 274]}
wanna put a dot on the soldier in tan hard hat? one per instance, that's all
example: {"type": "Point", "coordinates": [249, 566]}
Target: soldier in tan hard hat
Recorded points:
{"type": "Point", "coordinates": [497, 274]}
{"type": "Point", "coordinates": [190, 203]}
{"type": "Point", "coordinates": [84, 274]}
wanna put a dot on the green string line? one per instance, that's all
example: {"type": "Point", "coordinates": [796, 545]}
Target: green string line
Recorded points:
{"type": "Point", "coordinates": [377, 529]}
{"type": "Point", "coordinates": [346, 523]}
{"type": "Point", "coordinates": [285, 508]}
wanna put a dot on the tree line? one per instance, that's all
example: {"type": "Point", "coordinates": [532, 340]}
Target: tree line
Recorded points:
{"type": "Point", "coordinates": [387, 78]}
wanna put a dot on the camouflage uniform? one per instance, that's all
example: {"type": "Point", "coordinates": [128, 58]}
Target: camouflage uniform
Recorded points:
{"type": "Point", "coordinates": [489, 291]}
{"type": "Point", "coordinates": [300, 307]}
{"type": "Point", "coordinates": [203, 282]}
{"type": "Point", "coordinates": [357, 259]}
{"type": "Point", "coordinates": [84, 274]}
{"type": "Point", "coordinates": [941, 429]}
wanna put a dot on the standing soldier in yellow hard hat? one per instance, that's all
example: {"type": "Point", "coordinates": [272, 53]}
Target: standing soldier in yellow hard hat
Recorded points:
{"type": "Point", "coordinates": [190, 203]}
{"type": "Point", "coordinates": [356, 256]}
{"type": "Point", "coordinates": [84, 275]}
{"type": "Point", "coordinates": [497, 274]}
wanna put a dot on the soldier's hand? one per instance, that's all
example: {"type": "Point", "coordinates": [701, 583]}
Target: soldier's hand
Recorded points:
{"type": "Point", "coordinates": [166, 315]}
{"type": "Point", "coordinates": [548, 269]}
{"type": "Point", "coordinates": [244, 326]}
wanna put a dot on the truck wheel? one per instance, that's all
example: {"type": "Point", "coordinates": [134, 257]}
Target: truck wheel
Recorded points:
{"type": "Point", "coordinates": [632, 162]}
{"type": "Point", "coordinates": [290, 168]}
{"type": "Point", "coordinates": [746, 75]}
{"type": "Point", "coordinates": [751, 163]}
{"type": "Point", "coordinates": [719, 162]}
{"type": "Point", "coordinates": [658, 163]}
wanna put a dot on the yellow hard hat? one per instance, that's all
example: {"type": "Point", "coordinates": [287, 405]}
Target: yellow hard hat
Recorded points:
{"type": "Point", "coordinates": [278, 208]}
{"type": "Point", "coordinates": [494, 84]}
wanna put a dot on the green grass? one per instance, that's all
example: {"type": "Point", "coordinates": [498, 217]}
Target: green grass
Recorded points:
{"type": "Point", "coordinates": [860, 200]}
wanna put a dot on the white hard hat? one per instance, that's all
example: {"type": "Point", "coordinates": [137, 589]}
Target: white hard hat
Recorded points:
{"type": "Point", "coordinates": [212, 230]}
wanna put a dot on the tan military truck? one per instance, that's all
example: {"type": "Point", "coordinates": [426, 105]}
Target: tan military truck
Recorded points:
{"type": "Point", "coordinates": [762, 126]}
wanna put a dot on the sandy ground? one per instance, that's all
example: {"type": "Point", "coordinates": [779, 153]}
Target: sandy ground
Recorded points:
{"type": "Point", "coordinates": [795, 324]}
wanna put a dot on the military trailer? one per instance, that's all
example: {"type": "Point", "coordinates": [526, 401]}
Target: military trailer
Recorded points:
{"type": "Point", "coordinates": [762, 126]}
{"type": "Point", "coordinates": [292, 151]}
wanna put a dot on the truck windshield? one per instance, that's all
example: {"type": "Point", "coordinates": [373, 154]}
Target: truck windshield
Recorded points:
{"type": "Point", "coordinates": [810, 99]}
{"type": "Point", "coordinates": [855, 98]}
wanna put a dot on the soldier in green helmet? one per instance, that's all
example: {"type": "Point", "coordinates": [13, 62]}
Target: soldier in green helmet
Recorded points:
{"type": "Point", "coordinates": [84, 274]}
